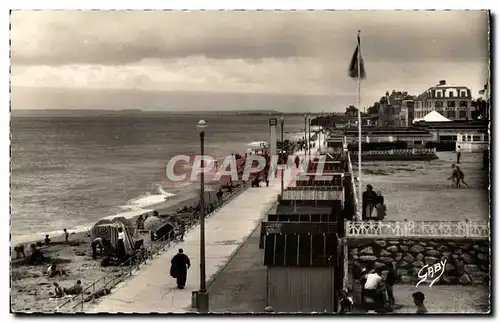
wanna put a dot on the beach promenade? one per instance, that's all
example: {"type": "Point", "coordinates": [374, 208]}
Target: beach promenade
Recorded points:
{"type": "Point", "coordinates": [152, 289]}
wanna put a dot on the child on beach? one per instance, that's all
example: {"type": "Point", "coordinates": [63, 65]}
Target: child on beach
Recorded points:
{"type": "Point", "coordinates": [66, 235]}
{"type": "Point", "coordinates": [47, 239]}
{"type": "Point", "coordinates": [418, 299]}
{"type": "Point", "coordinates": [58, 291]}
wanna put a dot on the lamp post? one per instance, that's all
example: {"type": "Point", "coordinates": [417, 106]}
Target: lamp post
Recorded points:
{"type": "Point", "coordinates": [305, 134]}
{"type": "Point", "coordinates": [282, 120]}
{"type": "Point", "coordinates": [309, 136]}
{"type": "Point", "coordinates": [202, 297]}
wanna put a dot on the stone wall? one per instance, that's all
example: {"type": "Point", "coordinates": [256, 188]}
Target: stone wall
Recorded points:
{"type": "Point", "coordinates": [468, 261]}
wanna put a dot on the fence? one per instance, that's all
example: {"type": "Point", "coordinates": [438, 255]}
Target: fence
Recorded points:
{"type": "Point", "coordinates": [426, 229]}
{"type": "Point", "coordinates": [103, 285]}
{"type": "Point", "coordinates": [397, 152]}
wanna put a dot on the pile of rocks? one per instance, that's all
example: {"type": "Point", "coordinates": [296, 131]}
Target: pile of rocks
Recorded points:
{"type": "Point", "coordinates": [467, 261]}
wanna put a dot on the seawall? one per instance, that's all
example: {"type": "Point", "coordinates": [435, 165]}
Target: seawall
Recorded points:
{"type": "Point", "coordinates": [467, 260]}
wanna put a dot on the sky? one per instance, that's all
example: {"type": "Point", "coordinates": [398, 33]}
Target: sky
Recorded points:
{"type": "Point", "coordinates": [226, 54]}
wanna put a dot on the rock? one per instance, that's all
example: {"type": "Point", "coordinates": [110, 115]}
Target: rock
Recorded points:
{"type": "Point", "coordinates": [459, 251]}
{"type": "Point", "coordinates": [482, 257]}
{"type": "Point", "coordinates": [410, 242]}
{"type": "Point", "coordinates": [367, 251]}
{"type": "Point", "coordinates": [405, 279]}
{"type": "Point", "coordinates": [479, 275]}
{"type": "Point", "coordinates": [379, 265]}
{"type": "Point", "coordinates": [417, 249]}
{"type": "Point", "coordinates": [445, 280]}
{"type": "Point", "coordinates": [442, 248]}
{"type": "Point", "coordinates": [419, 257]}
{"type": "Point", "coordinates": [470, 268]}
{"type": "Point", "coordinates": [433, 253]}
{"type": "Point", "coordinates": [354, 251]}
{"type": "Point", "coordinates": [386, 260]}
{"type": "Point", "coordinates": [394, 242]}
{"type": "Point", "coordinates": [446, 254]}
{"type": "Point", "coordinates": [398, 256]}
{"type": "Point", "coordinates": [415, 270]}
{"type": "Point", "coordinates": [355, 257]}
{"type": "Point", "coordinates": [367, 258]}
{"type": "Point", "coordinates": [408, 258]}
{"type": "Point", "coordinates": [404, 264]}
{"type": "Point", "coordinates": [418, 264]}
{"type": "Point", "coordinates": [430, 260]}
{"type": "Point", "coordinates": [381, 243]}
{"type": "Point", "coordinates": [454, 256]}
{"type": "Point", "coordinates": [385, 253]}
{"type": "Point", "coordinates": [475, 247]}
{"type": "Point", "coordinates": [433, 243]}
{"type": "Point", "coordinates": [392, 249]}
{"type": "Point", "coordinates": [452, 244]}
{"type": "Point", "coordinates": [465, 279]}
{"type": "Point", "coordinates": [449, 268]}
{"type": "Point", "coordinates": [484, 268]}
{"type": "Point", "coordinates": [402, 272]}
{"type": "Point", "coordinates": [467, 258]}
{"type": "Point", "coordinates": [429, 248]}
{"type": "Point", "coordinates": [465, 247]}
{"type": "Point", "coordinates": [404, 248]}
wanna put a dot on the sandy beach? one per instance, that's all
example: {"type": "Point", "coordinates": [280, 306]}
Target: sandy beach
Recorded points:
{"type": "Point", "coordinates": [32, 290]}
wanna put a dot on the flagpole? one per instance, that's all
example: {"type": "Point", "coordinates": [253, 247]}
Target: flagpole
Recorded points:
{"type": "Point", "coordinates": [359, 126]}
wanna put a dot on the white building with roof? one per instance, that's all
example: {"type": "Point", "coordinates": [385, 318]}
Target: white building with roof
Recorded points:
{"type": "Point", "coordinates": [453, 102]}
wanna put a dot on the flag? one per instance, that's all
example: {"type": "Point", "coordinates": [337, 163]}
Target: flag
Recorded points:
{"type": "Point", "coordinates": [353, 67]}
{"type": "Point", "coordinates": [484, 89]}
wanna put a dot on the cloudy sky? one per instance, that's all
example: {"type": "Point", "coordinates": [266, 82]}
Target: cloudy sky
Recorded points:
{"type": "Point", "coordinates": [263, 53]}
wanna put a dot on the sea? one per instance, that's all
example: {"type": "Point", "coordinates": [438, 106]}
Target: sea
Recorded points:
{"type": "Point", "coordinates": [71, 172]}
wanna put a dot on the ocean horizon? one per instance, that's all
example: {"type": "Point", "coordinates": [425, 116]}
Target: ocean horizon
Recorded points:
{"type": "Point", "coordinates": [69, 172]}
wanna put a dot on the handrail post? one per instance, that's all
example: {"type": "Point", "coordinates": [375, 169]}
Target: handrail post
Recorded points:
{"type": "Point", "coordinates": [467, 228]}
{"type": "Point", "coordinates": [405, 228]}
{"type": "Point", "coordinates": [81, 307]}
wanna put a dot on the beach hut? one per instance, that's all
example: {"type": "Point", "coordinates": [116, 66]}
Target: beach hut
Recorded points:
{"type": "Point", "coordinates": [108, 229]}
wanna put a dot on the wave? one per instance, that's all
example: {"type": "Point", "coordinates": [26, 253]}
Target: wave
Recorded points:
{"type": "Point", "coordinates": [141, 202]}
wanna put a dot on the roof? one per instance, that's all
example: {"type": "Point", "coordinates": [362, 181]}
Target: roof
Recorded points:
{"type": "Point", "coordinates": [434, 116]}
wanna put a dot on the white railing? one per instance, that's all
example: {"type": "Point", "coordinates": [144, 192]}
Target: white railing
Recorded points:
{"type": "Point", "coordinates": [313, 194]}
{"type": "Point", "coordinates": [397, 152]}
{"type": "Point", "coordinates": [357, 209]}
{"type": "Point", "coordinates": [437, 229]}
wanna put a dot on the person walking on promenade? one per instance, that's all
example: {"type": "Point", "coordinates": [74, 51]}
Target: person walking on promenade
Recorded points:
{"type": "Point", "coordinates": [418, 299]}
{"type": "Point", "coordinates": [459, 154]}
{"type": "Point", "coordinates": [369, 198]}
{"type": "Point", "coordinates": [297, 162]}
{"type": "Point", "coordinates": [457, 176]}
{"type": "Point", "coordinates": [178, 270]}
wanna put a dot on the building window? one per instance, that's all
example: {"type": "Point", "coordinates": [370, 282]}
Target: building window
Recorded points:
{"type": "Point", "coordinates": [463, 94]}
{"type": "Point", "coordinates": [450, 94]}
{"type": "Point", "coordinates": [438, 104]}
{"type": "Point", "coordinates": [438, 93]}
{"type": "Point", "coordinates": [463, 104]}
{"type": "Point", "coordinates": [450, 114]}
{"type": "Point", "coordinates": [476, 138]}
{"type": "Point", "coordinates": [463, 114]}
{"type": "Point", "coordinates": [451, 104]}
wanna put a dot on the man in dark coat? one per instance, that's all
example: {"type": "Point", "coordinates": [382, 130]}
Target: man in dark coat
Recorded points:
{"type": "Point", "coordinates": [180, 265]}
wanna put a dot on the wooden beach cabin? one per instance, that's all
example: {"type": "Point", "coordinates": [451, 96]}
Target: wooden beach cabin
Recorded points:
{"type": "Point", "coordinates": [303, 249]}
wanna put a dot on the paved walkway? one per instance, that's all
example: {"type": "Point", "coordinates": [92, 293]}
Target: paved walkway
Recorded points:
{"type": "Point", "coordinates": [153, 290]}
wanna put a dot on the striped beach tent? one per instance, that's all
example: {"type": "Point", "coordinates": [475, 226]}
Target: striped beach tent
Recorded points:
{"type": "Point", "coordinates": [108, 229]}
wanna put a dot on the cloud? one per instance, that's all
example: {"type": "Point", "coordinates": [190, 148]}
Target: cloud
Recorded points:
{"type": "Point", "coordinates": [125, 37]}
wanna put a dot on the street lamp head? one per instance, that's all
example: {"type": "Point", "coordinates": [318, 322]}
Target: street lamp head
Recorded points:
{"type": "Point", "coordinates": [305, 115]}
{"type": "Point", "coordinates": [201, 125]}
{"type": "Point", "coordinates": [282, 118]}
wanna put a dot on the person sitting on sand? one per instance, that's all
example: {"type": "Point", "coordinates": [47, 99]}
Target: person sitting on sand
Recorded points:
{"type": "Point", "coordinates": [58, 291]}
{"type": "Point", "coordinates": [75, 289]}
{"type": "Point", "coordinates": [19, 249]}
{"type": "Point", "coordinates": [97, 242]}
{"type": "Point", "coordinates": [47, 239]}
{"type": "Point", "coordinates": [53, 271]}
{"type": "Point", "coordinates": [66, 235]}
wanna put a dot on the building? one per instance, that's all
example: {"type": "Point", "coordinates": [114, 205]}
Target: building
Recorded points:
{"type": "Point", "coordinates": [453, 102]}
{"type": "Point", "coordinates": [395, 109]}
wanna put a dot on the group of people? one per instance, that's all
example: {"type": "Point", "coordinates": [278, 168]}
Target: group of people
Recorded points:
{"type": "Point", "coordinates": [373, 201]}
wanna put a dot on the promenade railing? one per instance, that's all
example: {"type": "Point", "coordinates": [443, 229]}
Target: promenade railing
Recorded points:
{"type": "Point", "coordinates": [397, 152]}
{"type": "Point", "coordinates": [102, 286]}
{"type": "Point", "coordinates": [418, 229]}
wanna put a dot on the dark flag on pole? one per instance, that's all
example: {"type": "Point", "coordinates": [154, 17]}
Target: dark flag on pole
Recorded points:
{"type": "Point", "coordinates": [353, 67]}
{"type": "Point", "coordinates": [484, 89]}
